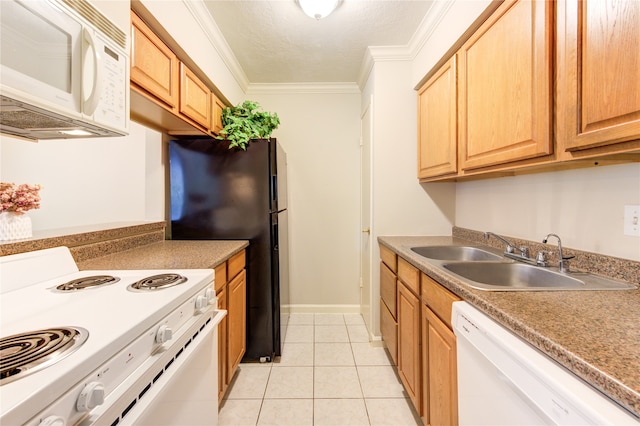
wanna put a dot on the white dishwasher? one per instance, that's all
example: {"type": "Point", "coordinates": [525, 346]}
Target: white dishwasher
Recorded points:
{"type": "Point", "coordinates": [502, 380]}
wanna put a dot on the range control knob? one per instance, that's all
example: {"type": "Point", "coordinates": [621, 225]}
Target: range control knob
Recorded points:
{"type": "Point", "coordinates": [201, 302]}
{"type": "Point", "coordinates": [53, 421]}
{"type": "Point", "coordinates": [164, 334]}
{"type": "Point", "coordinates": [210, 294]}
{"type": "Point", "coordinates": [91, 396]}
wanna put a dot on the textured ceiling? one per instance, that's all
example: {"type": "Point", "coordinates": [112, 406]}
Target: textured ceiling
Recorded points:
{"type": "Point", "coordinates": [275, 42]}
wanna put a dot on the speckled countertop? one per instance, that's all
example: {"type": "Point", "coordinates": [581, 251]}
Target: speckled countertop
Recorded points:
{"type": "Point", "coordinates": [169, 254]}
{"type": "Point", "coordinates": [594, 334]}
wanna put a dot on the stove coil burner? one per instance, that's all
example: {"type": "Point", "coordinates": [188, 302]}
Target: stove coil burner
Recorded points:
{"type": "Point", "coordinates": [88, 282]}
{"type": "Point", "coordinates": [157, 282]}
{"type": "Point", "coordinates": [26, 353]}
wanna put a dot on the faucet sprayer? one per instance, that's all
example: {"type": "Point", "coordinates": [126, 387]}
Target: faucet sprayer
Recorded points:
{"type": "Point", "coordinates": [561, 258]}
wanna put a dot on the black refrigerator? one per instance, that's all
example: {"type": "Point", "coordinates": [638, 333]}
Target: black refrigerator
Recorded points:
{"type": "Point", "coordinates": [219, 193]}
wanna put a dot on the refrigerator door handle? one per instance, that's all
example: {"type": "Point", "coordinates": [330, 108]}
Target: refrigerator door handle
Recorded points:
{"type": "Point", "coordinates": [275, 236]}
{"type": "Point", "coordinates": [274, 192]}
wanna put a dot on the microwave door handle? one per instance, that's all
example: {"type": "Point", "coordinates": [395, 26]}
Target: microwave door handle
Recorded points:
{"type": "Point", "coordinates": [90, 64]}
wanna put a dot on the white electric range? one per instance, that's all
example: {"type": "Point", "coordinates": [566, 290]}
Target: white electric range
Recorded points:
{"type": "Point", "coordinates": [113, 345]}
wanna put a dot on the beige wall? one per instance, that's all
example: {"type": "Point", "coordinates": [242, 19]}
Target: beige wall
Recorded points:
{"type": "Point", "coordinates": [320, 133]}
{"type": "Point", "coordinates": [584, 207]}
{"type": "Point", "coordinates": [90, 181]}
{"type": "Point", "coordinates": [401, 206]}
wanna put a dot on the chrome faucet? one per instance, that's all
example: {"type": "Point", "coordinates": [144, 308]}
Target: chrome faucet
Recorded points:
{"type": "Point", "coordinates": [509, 250]}
{"type": "Point", "coordinates": [510, 247]}
{"type": "Point", "coordinates": [561, 259]}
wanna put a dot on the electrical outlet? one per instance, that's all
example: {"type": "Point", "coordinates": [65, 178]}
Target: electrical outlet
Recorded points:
{"type": "Point", "coordinates": [632, 221]}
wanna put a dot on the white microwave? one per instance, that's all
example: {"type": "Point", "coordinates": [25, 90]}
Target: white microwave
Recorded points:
{"type": "Point", "coordinates": [64, 71]}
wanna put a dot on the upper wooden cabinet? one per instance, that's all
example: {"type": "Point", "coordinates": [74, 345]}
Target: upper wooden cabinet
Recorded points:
{"type": "Point", "coordinates": [598, 73]}
{"type": "Point", "coordinates": [540, 86]}
{"type": "Point", "coordinates": [195, 97]}
{"type": "Point", "coordinates": [505, 86]}
{"type": "Point", "coordinates": [154, 67]}
{"type": "Point", "coordinates": [437, 123]}
{"type": "Point", "coordinates": [166, 94]}
{"type": "Point", "coordinates": [216, 114]}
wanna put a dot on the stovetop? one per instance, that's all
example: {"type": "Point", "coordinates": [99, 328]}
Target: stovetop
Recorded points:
{"type": "Point", "coordinates": [112, 315]}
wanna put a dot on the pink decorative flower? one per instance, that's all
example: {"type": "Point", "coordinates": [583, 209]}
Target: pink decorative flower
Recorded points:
{"type": "Point", "coordinates": [19, 198]}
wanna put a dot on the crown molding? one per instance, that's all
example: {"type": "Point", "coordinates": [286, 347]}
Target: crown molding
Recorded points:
{"type": "Point", "coordinates": [372, 54]}
{"type": "Point", "coordinates": [202, 16]}
{"type": "Point", "coordinates": [375, 54]}
{"type": "Point", "coordinates": [408, 52]}
{"type": "Point", "coordinates": [295, 88]}
{"type": "Point", "coordinates": [428, 25]}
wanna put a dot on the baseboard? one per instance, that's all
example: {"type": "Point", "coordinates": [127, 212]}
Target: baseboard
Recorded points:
{"type": "Point", "coordinates": [321, 309]}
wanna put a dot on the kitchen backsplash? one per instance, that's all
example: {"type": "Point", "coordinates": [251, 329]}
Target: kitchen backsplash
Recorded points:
{"type": "Point", "coordinates": [87, 243]}
{"type": "Point", "coordinates": [613, 267]}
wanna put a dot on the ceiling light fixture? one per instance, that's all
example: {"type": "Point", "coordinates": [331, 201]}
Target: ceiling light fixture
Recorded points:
{"type": "Point", "coordinates": [318, 9]}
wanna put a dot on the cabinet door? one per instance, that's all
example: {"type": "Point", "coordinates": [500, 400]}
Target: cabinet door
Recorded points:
{"type": "Point", "coordinates": [237, 299]}
{"type": "Point", "coordinates": [154, 67]}
{"type": "Point", "coordinates": [222, 345]}
{"type": "Point", "coordinates": [388, 289]}
{"type": "Point", "coordinates": [440, 390]}
{"type": "Point", "coordinates": [389, 331]}
{"type": "Point", "coordinates": [437, 123]}
{"type": "Point", "coordinates": [438, 298]}
{"type": "Point", "coordinates": [389, 258]}
{"type": "Point", "coordinates": [598, 72]}
{"type": "Point", "coordinates": [216, 114]}
{"type": "Point", "coordinates": [505, 86]}
{"type": "Point", "coordinates": [409, 344]}
{"type": "Point", "coordinates": [195, 101]}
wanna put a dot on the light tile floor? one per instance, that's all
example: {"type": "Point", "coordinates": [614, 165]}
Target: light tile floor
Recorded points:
{"type": "Point", "coordinates": [328, 374]}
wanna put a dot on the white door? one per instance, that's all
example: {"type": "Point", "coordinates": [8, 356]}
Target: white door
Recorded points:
{"type": "Point", "coordinates": [365, 215]}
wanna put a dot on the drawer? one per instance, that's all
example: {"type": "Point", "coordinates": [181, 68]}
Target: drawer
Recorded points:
{"type": "Point", "coordinates": [409, 275]}
{"type": "Point", "coordinates": [388, 287]}
{"type": "Point", "coordinates": [220, 276]}
{"type": "Point", "coordinates": [236, 264]}
{"type": "Point", "coordinates": [438, 298]}
{"type": "Point", "coordinates": [389, 331]}
{"type": "Point", "coordinates": [389, 258]}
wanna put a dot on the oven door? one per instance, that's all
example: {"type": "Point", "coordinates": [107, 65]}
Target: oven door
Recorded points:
{"type": "Point", "coordinates": [176, 386]}
{"type": "Point", "coordinates": [189, 395]}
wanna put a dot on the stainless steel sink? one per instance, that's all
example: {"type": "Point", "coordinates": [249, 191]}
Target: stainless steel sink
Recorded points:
{"type": "Point", "coordinates": [500, 276]}
{"type": "Point", "coordinates": [459, 253]}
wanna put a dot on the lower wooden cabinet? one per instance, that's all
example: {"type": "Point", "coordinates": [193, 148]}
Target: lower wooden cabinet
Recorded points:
{"type": "Point", "coordinates": [419, 336]}
{"type": "Point", "coordinates": [439, 379]}
{"type": "Point", "coordinates": [409, 356]}
{"type": "Point", "coordinates": [237, 322]}
{"type": "Point", "coordinates": [439, 368]}
{"type": "Point", "coordinates": [222, 344]}
{"type": "Point", "coordinates": [231, 291]}
{"type": "Point", "coordinates": [388, 305]}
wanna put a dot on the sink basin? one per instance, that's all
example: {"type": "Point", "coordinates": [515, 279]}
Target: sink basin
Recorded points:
{"type": "Point", "coordinates": [499, 276]}
{"type": "Point", "coordinates": [459, 253]}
